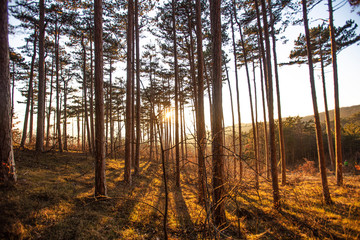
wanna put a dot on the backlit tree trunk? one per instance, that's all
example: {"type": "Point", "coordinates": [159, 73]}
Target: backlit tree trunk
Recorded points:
{"type": "Point", "coordinates": [41, 93]}
{"type": "Point", "coordinates": [319, 139]}
{"type": "Point", "coordinates": [7, 174]}
{"type": "Point", "coordinates": [100, 180]}
{"type": "Point", "coordinates": [177, 149]}
{"type": "Point", "coordinates": [128, 121]}
{"type": "Point", "coordinates": [270, 102]}
{"type": "Point", "coordinates": [200, 118]}
{"type": "Point", "coordinates": [217, 129]}
{"type": "Point", "coordinates": [338, 150]}
{"type": "Point", "coordinates": [30, 93]}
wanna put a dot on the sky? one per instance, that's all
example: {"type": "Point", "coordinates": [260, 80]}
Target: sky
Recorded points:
{"type": "Point", "coordinates": [294, 80]}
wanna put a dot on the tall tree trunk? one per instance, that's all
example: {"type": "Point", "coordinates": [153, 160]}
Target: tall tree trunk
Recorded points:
{"type": "Point", "coordinates": [50, 101]}
{"type": "Point", "coordinates": [264, 68]}
{"type": "Point", "coordinates": [237, 96]}
{"type": "Point", "coordinates": [88, 134]}
{"type": "Point", "coordinates": [266, 137]}
{"type": "Point", "coordinates": [129, 102]}
{"type": "Point", "coordinates": [31, 124]}
{"type": "Point", "coordinates": [138, 106]}
{"type": "Point", "coordinates": [92, 95]}
{"type": "Point", "coordinates": [338, 150]}
{"type": "Point", "coordinates": [65, 116]}
{"type": "Point", "coordinates": [251, 101]}
{"type": "Point", "coordinates": [274, 172]}
{"type": "Point", "coordinates": [233, 120]}
{"type": "Point", "coordinates": [8, 175]}
{"type": "Point", "coordinates": [281, 134]}
{"type": "Point", "coordinates": [41, 93]}
{"type": "Point", "coordinates": [100, 179]}
{"type": "Point", "coordinates": [177, 149]}
{"type": "Point", "coordinates": [327, 118]}
{"type": "Point", "coordinates": [200, 118]}
{"type": "Point", "coordinates": [12, 92]}
{"type": "Point", "coordinates": [217, 144]}
{"type": "Point", "coordinates": [30, 93]}
{"type": "Point", "coordinates": [111, 116]}
{"type": "Point", "coordinates": [319, 139]}
{"type": "Point", "coordinates": [58, 111]}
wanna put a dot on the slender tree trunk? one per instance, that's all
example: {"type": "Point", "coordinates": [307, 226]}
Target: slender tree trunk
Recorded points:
{"type": "Point", "coordinates": [274, 172]}
{"type": "Point", "coordinates": [31, 124]}
{"type": "Point", "coordinates": [177, 150]}
{"type": "Point", "coordinates": [237, 96]}
{"type": "Point", "coordinates": [50, 101]}
{"type": "Point", "coordinates": [138, 106]}
{"type": "Point", "coordinates": [266, 138]}
{"type": "Point", "coordinates": [58, 111]}
{"type": "Point", "coordinates": [327, 118]}
{"type": "Point", "coordinates": [251, 101]}
{"type": "Point", "coordinates": [233, 119]}
{"type": "Point", "coordinates": [217, 144]}
{"type": "Point", "coordinates": [85, 96]}
{"type": "Point", "coordinates": [65, 116]}
{"type": "Point", "coordinates": [7, 175]}
{"type": "Point", "coordinates": [281, 134]}
{"type": "Point", "coordinates": [92, 95]}
{"type": "Point", "coordinates": [30, 93]}
{"type": "Point", "coordinates": [110, 115]}
{"type": "Point", "coordinates": [338, 150]}
{"type": "Point", "coordinates": [200, 118]}
{"type": "Point", "coordinates": [41, 93]}
{"type": "Point", "coordinates": [319, 139]}
{"type": "Point", "coordinates": [100, 179]}
{"type": "Point", "coordinates": [129, 102]}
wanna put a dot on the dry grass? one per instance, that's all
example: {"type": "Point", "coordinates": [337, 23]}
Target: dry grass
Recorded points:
{"type": "Point", "coordinates": [53, 199]}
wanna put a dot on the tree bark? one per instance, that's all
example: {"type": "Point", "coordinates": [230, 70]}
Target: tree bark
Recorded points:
{"type": "Point", "coordinates": [270, 98]}
{"type": "Point", "coordinates": [41, 93]}
{"type": "Point", "coordinates": [338, 150]}
{"type": "Point", "coordinates": [30, 93]}
{"type": "Point", "coordinates": [7, 175]}
{"type": "Point", "coordinates": [217, 129]}
{"type": "Point", "coordinates": [58, 110]}
{"type": "Point", "coordinates": [281, 134]}
{"type": "Point", "coordinates": [319, 139]}
{"type": "Point", "coordinates": [237, 97]}
{"type": "Point", "coordinates": [138, 106]}
{"type": "Point", "coordinates": [177, 149]}
{"type": "Point", "coordinates": [327, 118]}
{"type": "Point", "coordinates": [200, 118]}
{"type": "Point", "coordinates": [129, 103]}
{"type": "Point", "coordinates": [100, 179]}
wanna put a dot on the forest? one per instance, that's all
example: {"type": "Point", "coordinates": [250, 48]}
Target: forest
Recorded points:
{"type": "Point", "coordinates": [173, 119]}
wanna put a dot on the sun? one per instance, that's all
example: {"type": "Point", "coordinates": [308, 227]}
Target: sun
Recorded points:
{"type": "Point", "coordinates": [169, 114]}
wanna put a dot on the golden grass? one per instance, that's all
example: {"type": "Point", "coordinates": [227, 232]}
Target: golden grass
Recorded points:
{"type": "Point", "coordinates": [53, 199]}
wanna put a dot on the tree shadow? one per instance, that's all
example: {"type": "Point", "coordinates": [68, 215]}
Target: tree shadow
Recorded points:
{"type": "Point", "coordinates": [183, 215]}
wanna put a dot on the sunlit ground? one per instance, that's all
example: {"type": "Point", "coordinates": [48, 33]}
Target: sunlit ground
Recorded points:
{"type": "Point", "coordinates": [53, 199]}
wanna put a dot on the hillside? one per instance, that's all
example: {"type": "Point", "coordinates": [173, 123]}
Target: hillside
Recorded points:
{"type": "Point", "coordinates": [345, 112]}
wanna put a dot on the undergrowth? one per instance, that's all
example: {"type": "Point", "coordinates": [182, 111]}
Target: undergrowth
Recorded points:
{"type": "Point", "coordinates": [53, 199]}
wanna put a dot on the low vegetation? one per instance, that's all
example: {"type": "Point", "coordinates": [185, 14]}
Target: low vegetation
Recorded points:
{"type": "Point", "coordinates": [53, 199]}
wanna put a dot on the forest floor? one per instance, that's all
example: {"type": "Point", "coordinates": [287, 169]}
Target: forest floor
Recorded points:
{"type": "Point", "coordinates": [53, 199]}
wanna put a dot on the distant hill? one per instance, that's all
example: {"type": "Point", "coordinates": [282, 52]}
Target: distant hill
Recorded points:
{"type": "Point", "coordinates": [345, 112]}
